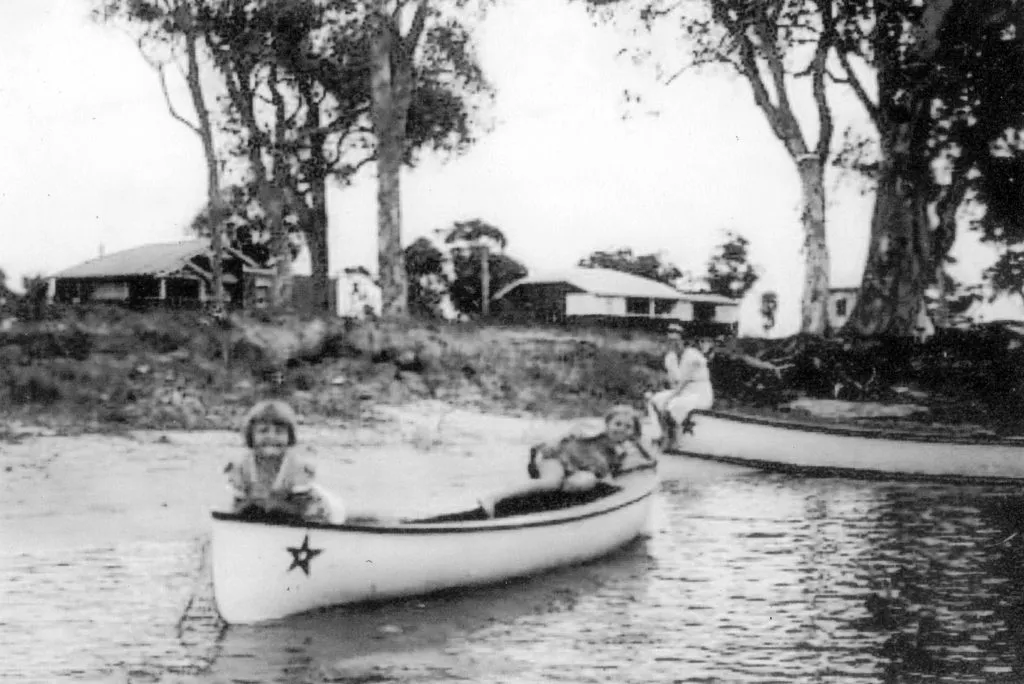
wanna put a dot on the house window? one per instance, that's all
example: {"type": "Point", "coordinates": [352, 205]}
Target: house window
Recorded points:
{"type": "Point", "coordinates": [841, 307]}
{"type": "Point", "coordinates": [703, 312]}
{"type": "Point", "coordinates": [638, 306]}
{"type": "Point", "coordinates": [663, 307]}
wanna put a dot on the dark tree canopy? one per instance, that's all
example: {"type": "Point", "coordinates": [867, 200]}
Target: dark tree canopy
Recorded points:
{"type": "Point", "coordinates": [729, 271]}
{"type": "Point", "coordinates": [424, 265]}
{"type": "Point", "coordinates": [247, 228]}
{"type": "Point", "coordinates": [466, 290]}
{"type": "Point", "coordinates": [297, 108]}
{"type": "Point", "coordinates": [458, 273]}
{"type": "Point", "coordinates": [651, 266]}
{"type": "Point", "coordinates": [477, 233]}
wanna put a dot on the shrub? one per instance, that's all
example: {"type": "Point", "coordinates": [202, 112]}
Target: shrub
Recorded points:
{"type": "Point", "coordinates": [32, 386]}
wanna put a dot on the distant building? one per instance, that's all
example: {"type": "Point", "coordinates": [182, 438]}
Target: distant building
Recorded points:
{"type": "Point", "coordinates": [610, 297]}
{"type": "Point", "coordinates": [841, 301]}
{"type": "Point", "coordinates": [174, 275]}
{"type": "Point", "coordinates": [357, 294]}
{"type": "Point", "coordinates": [302, 294]}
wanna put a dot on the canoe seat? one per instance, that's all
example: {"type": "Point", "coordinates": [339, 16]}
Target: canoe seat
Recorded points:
{"type": "Point", "coordinates": [550, 501]}
{"type": "Point", "coordinates": [540, 502]}
{"type": "Point", "coordinates": [257, 514]}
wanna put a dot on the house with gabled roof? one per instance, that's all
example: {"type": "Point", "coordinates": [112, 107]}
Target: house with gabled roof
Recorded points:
{"type": "Point", "coordinates": [610, 297]}
{"type": "Point", "coordinates": [175, 275]}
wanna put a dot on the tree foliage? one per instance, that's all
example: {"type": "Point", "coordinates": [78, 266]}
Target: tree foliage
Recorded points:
{"type": "Point", "coordinates": [246, 226]}
{"type": "Point", "coordinates": [945, 111]}
{"type": "Point", "coordinates": [729, 271]}
{"type": "Point", "coordinates": [466, 290]}
{"type": "Point", "coordinates": [779, 47]}
{"type": "Point", "coordinates": [651, 266]}
{"type": "Point", "coordinates": [428, 284]}
{"type": "Point", "coordinates": [299, 103]}
{"type": "Point", "coordinates": [457, 272]}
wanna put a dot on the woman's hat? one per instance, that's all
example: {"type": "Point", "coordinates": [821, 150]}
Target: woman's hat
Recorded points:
{"type": "Point", "coordinates": [675, 329]}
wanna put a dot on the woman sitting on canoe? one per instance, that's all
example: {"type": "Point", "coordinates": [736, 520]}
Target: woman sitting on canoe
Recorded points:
{"type": "Point", "coordinates": [272, 480]}
{"type": "Point", "coordinates": [577, 463]}
{"type": "Point", "coordinates": [689, 385]}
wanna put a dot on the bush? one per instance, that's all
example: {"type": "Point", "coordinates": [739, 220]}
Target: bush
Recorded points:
{"type": "Point", "coordinates": [32, 386]}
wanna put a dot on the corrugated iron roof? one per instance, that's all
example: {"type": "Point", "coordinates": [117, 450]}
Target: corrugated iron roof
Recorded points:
{"type": "Point", "coordinates": [157, 259]}
{"type": "Point", "coordinates": [611, 283]}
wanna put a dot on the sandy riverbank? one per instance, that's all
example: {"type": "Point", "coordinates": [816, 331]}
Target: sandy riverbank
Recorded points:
{"type": "Point", "coordinates": [94, 489]}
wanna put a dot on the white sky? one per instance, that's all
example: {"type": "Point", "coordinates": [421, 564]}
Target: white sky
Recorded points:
{"type": "Point", "coordinates": [91, 157]}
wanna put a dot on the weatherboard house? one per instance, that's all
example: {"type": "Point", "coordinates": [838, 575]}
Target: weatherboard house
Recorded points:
{"type": "Point", "coordinates": [609, 297]}
{"type": "Point", "coordinates": [173, 275]}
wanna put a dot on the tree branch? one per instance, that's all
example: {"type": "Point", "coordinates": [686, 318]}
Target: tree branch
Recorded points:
{"type": "Point", "coordinates": [819, 67]}
{"type": "Point", "coordinates": [411, 39]}
{"type": "Point", "coordinates": [858, 88]}
{"type": "Point", "coordinates": [170, 105]}
{"type": "Point", "coordinates": [748, 67]}
{"type": "Point", "coordinates": [162, 77]}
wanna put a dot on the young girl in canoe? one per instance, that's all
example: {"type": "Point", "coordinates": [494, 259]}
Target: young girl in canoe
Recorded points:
{"type": "Point", "coordinates": [577, 463]}
{"type": "Point", "coordinates": [272, 479]}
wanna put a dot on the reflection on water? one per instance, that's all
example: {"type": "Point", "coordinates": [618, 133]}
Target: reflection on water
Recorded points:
{"type": "Point", "coordinates": [749, 578]}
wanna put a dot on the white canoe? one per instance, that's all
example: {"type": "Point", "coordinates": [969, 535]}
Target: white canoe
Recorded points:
{"type": "Point", "coordinates": [266, 570]}
{"type": "Point", "coordinates": [839, 451]}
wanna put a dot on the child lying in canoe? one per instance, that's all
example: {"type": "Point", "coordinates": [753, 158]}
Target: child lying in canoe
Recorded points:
{"type": "Point", "coordinates": [577, 463]}
{"type": "Point", "coordinates": [271, 479]}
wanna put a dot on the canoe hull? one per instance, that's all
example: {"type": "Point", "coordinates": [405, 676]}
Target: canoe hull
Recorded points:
{"type": "Point", "coordinates": [268, 571]}
{"type": "Point", "coordinates": [829, 451]}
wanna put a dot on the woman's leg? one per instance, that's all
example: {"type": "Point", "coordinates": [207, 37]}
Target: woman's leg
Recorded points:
{"type": "Point", "coordinates": [656, 411]}
{"type": "Point", "coordinates": [689, 400]}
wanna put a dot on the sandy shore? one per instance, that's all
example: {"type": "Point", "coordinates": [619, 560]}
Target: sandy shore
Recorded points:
{"type": "Point", "coordinates": [94, 489]}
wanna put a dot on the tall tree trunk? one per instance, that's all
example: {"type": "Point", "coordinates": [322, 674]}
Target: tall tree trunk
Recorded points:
{"type": "Point", "coordinates": [900, 264]}
{"type": "Point", "coordinates": [316, 226]}
{"type": "Point", "coordinates": [276, 197]}
{"type": "Point", "coordinates": [390, 258]}
{"type": "Point", "coordinates": [316, 241]}
{"type": "Point", "coordinates": [763, 65]}
{"type": "Point", "coordinates": [273, 201]}
{"type": "Point", "coordinates": [817, 267]}
{"type": "Point", "coordinates": [902, 254]}
{"type": "Point", "coordinates": [391, 85]}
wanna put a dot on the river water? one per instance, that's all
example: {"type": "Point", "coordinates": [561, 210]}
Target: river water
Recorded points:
{"type": "Point", "coordinates": [748, 577]}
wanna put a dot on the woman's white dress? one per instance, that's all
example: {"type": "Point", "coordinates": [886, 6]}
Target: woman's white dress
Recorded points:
{"type": "Point", "coordinates": [690, 386]}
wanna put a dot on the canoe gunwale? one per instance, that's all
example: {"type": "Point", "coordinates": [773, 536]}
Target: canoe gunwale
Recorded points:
{"type": "Point", "coordinates": [865, 432]}
{"type": "Point", "coordinates": [824, 472]}
{"type": "Point", "coordinates": [558, 517]}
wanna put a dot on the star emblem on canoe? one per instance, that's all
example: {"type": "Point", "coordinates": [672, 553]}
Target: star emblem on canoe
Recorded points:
{"type": "Point", "coordinates": [302, 555]}
{"type": "Point", "coordinates": [687, 426]}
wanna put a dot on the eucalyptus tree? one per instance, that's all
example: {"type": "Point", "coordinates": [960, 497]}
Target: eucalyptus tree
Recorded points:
{"type": "Point", "coordinates": [413, 43]}
{"type": "Point", "coordinates": [779, 47]}
{"type": "Point", "coordinates": [946, 103]}
{"type": "Point", "coordinates": [170, 35]}
{"type": "Point", "coordinates": [298, 110]}
{"type": "Point", "coordinates": [929, 76]}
